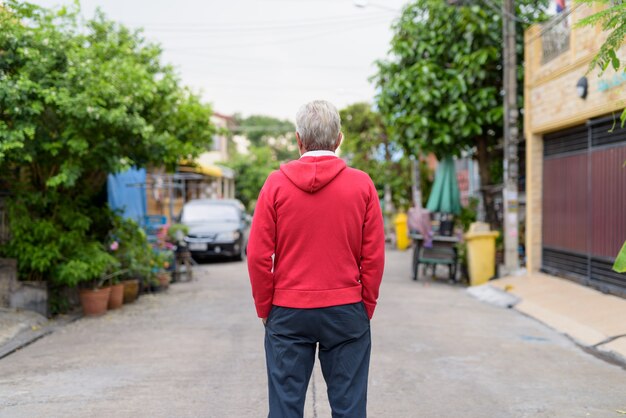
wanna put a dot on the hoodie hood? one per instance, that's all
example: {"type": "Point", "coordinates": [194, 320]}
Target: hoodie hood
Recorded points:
{"type": "Point", "coordinates": [311, 174]}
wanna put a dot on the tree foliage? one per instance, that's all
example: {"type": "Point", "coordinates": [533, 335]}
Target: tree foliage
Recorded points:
{"type": "Point", "coordinates": [363, 138]}
{"type": "Point", "coordinates": [440, 88]}
{"type": "Point", "coordinates": [366, 146]}
{"type": "Point", "coordinates": [252, 169]}
{"type": "Point", "coordinates": [612, 19]}
{"type": "Point", "coordinates": [260, 128]}
{"type": "Point", "coordinates": [272, 142]}
{"type": "Point", "coordinates": [78, 101]}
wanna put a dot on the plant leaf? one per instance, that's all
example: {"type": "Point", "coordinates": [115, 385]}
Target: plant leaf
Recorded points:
{"type": "Point", "coordinates": [620, 262]}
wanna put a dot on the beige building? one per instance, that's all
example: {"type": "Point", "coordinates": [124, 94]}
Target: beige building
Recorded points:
{"type": "Point", "coordinates": [575, 151]}
{"type": "Point", "coordinates": [202, 178]}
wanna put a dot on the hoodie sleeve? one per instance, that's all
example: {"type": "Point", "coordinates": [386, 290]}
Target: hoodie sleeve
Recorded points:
{"type": "Point", "coordinates": [372, 252]}
{"type": "Point", "coordinates": [261, 246]}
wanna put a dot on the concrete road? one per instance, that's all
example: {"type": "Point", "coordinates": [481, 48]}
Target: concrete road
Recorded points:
{"type": "Point", "coordinates": [197, 351]}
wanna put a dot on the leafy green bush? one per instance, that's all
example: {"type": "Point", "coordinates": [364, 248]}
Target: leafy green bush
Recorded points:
{"type": "Point", "coordinates": [80, 99]}
{"type": "Point", "coordinates": [129, 244]}
{"type": "Point", "coordinates": [52, 239]}
{"type": "Point", "coordinates": [468, 214]}
{"type": "Point", "coordinates": [251, 171]}
{"type": "Point", "coordinates": [173, 231]}
{"type": "Point", "coordinates": [161, 260]}
{"type": "Point", "coordinates": [89, 264]}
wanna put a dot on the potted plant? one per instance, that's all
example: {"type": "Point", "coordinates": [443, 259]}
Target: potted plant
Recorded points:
{"type": "Point", "coordinates": [160, 263]}
{"type": "Point", "coordinates": [176, 233]}
{"type": "Point", "coordinates": [129, 245]}
{"type": "Point", "coordinates": [89, 270]}
{"type": "Point", "coordinates": [463, 221]}
{"type": "Point", "coordinates": [180, 267]}
{"type": "Point", "coordinates": [105, 294]}
{"type": "Point", "coordinates": [164, 277]}
{"type": "Point", "coordinates": [116, 298]}
{"type": "Point", "coordinates": [150, 284]}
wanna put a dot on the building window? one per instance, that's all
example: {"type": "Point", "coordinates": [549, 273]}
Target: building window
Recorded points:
{"type": "Point", "coordinates": [217, 143]}
{"type": "Point", "coordinates": [555, 36]}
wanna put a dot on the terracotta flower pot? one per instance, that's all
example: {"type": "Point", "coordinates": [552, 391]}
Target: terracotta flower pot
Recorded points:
{"type": "Point", "coordinates": [164, 279]}
{"type": "Point", "coordinates": [131, 290]}
{"type": "Point", "coordinates": [117, 296]}
{"type": "Point", "coordinates": [95, 302]}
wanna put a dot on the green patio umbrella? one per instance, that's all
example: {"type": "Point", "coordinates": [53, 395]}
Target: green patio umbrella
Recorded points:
{"type": "Point", "coordinates": [445, 196]}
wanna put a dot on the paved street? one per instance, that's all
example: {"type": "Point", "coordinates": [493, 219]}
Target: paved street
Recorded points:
{"type": "Point", "coordinates": [197, 351]}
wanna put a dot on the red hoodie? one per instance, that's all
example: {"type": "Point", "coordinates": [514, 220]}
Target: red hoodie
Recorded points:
{"type": "Point", "coordinates": [322, 222]}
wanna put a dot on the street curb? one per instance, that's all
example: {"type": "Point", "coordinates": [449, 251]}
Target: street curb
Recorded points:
{"type": "Point", "coordinates": [29, 336]}
{"type": "Point", "coordinates": [497, 297]}
{"type": "Point", "coordinates": [608, 356]}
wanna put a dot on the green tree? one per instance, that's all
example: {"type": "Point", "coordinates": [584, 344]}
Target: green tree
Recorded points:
{"type": "Point", "coordinates": [259, 128]}
{"type": "Point", "coordinates": [440, 89]}
{"type": "Point", "coordinates": [267, 131]}
{"type": "Point", "coordinates": [612, 19]}
{"type": "Point", "coordinates": [79, 101]}
{"type": "Point", "coordinates": [77, 105]}
{"type": "Point", "coordinates": [364, 136]}
{"type": "Point", "coordinates": [367, 147]}
{"type": "Point", "coordinates": [252, 169]}
{"type": "Point", "coordinates": [272, 142]}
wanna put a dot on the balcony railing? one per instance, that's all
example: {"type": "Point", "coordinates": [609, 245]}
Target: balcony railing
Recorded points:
{"type": "Point", "coordinates": [555, 36]}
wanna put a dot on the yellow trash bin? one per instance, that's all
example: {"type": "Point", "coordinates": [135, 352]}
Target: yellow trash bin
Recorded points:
{"type": "Point", "coordinates": [481, 253]}
{"type": "Point", "coordinates": [402, 231]}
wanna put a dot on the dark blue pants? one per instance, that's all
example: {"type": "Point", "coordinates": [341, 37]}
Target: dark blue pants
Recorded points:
{"type": "Point", "coordinates": [291, 338]}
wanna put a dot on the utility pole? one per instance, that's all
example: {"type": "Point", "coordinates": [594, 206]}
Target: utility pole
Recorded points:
{"type": "Point", "coordinates": [387, 189]}
{"type": "Point", "coordinates": [511, 134]}
{"type": "Point", "coordinates": [416, 189]}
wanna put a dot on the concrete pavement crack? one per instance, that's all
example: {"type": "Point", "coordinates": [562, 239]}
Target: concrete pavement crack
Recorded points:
{"type": "Point", "coordinates": [608, 340]}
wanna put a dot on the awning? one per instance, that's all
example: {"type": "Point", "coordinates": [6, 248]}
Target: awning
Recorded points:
{"type": "Point", "coordinates": [206, 169]}
{"type": "Point", "coordinates": [205, 164]}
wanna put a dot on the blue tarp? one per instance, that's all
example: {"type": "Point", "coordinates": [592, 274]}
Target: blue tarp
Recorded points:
{"type": "Point", "coordinates": [127, 193]}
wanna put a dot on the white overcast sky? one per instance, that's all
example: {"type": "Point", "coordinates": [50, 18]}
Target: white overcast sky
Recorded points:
{"type": "Point", "coordinates": [264, 56]}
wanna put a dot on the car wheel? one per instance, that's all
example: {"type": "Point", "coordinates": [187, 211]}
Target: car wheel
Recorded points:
{"type": "Point", "coordinates": [242, 252]}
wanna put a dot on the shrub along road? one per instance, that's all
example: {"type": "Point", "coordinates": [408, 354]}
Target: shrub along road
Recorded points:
{"type": "Point", "coordinates": [197, 351]}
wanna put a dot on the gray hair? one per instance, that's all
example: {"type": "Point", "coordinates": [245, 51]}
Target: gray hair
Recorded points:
{"type": "Point", "coordinates": [318, 125]}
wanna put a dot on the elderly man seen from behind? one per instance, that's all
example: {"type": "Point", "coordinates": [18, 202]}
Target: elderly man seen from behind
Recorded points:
{"type": "Point", "coordinates": [315, 257]}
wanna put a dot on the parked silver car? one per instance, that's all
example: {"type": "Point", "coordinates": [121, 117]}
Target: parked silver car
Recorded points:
{"type": "Point", "coordinates": [217, 228]}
